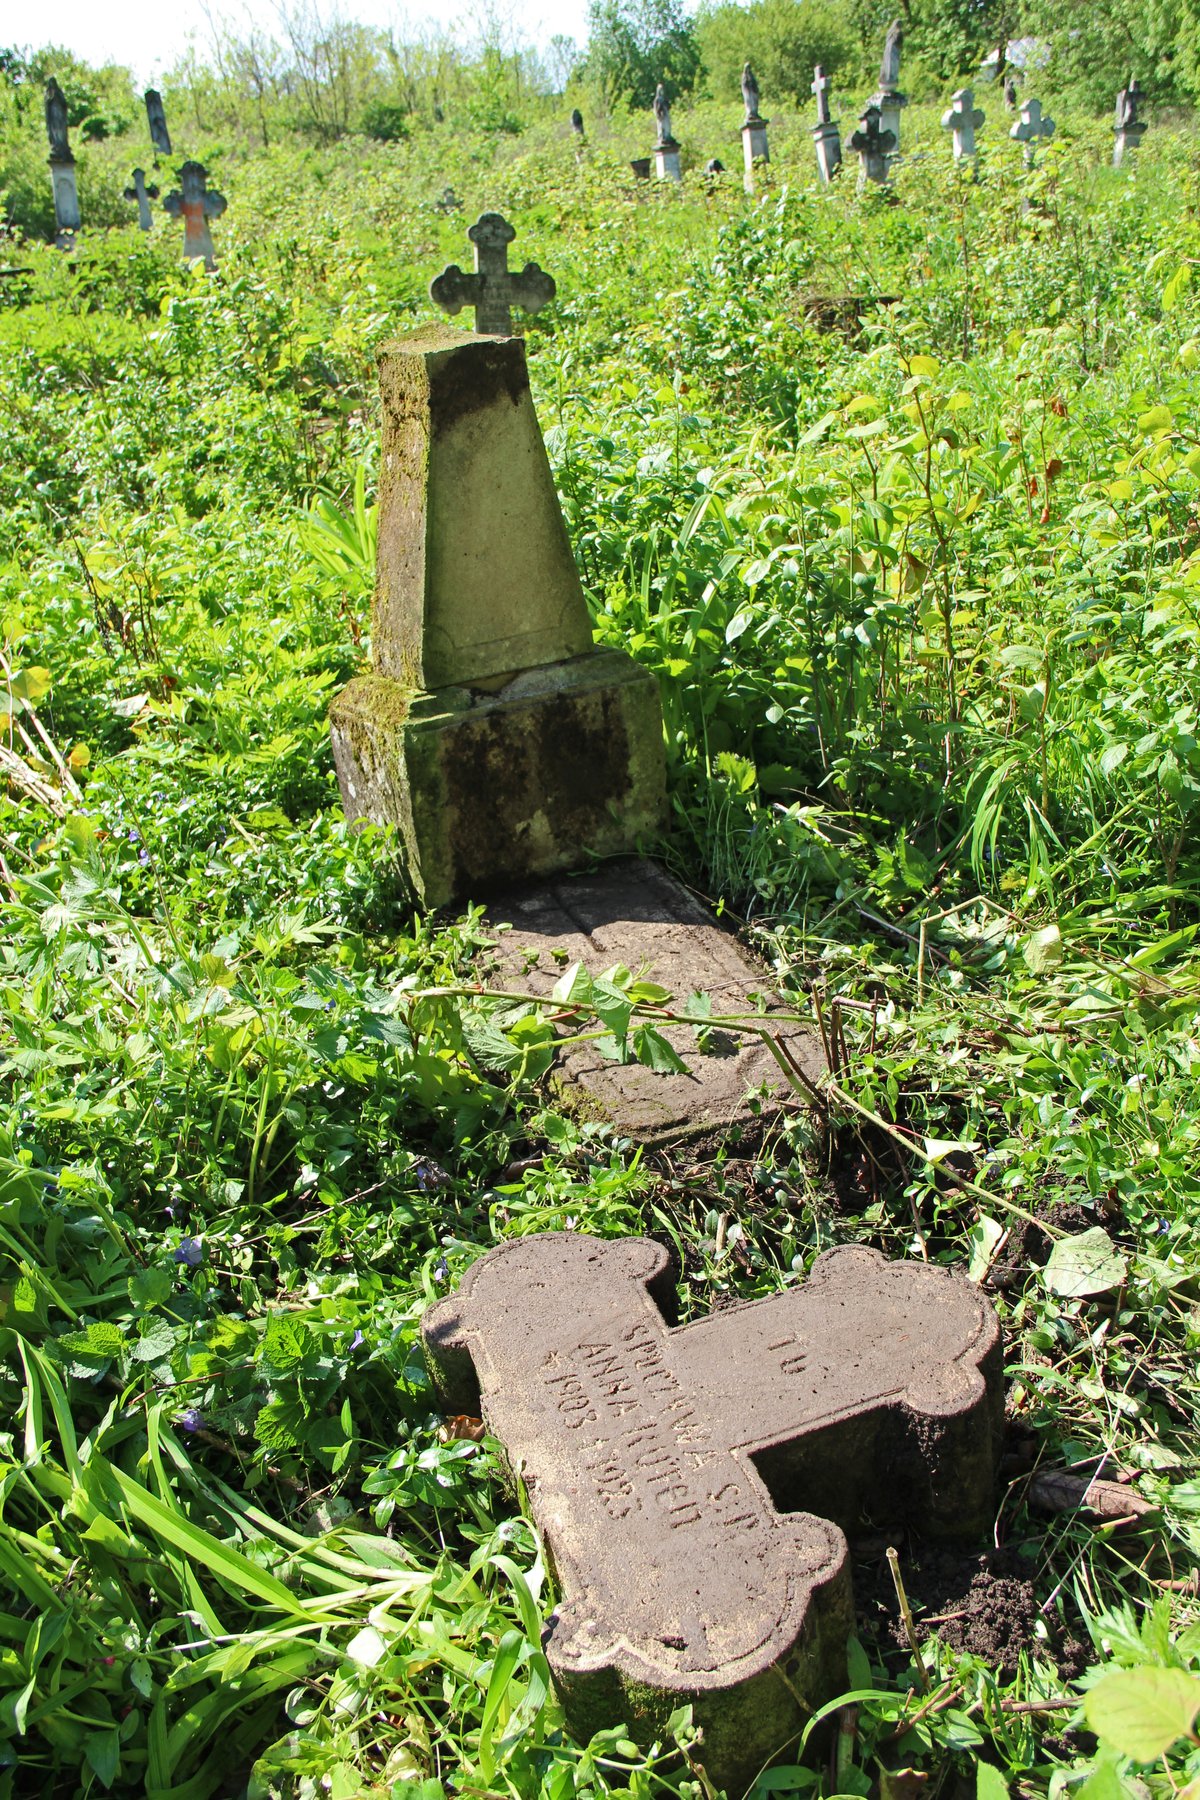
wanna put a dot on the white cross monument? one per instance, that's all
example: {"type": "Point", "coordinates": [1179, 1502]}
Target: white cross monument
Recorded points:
{"type": "Point", "coordinates": [964, 119]}
{"type": "Point", "coordinates": [1032, 126]}
{"type": "Point", "coordinates": [826, 136]}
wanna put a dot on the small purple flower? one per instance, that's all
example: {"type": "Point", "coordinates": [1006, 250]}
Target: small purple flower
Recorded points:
{"type": "Point", "coordinates": [143, 856]}
{"type": "Point", "coordinates": [356, 1340]}
{"type": "Point", "coordinates": [135, 836]}
{"type": "Point", "coordinates": [190, 1252]}
{"type": "Point", "coordinates": [191, 1418]}
{"type": "Point", "coordinates": [170, 1211]}
{"type": "Point", "coordinates": [441, 1269]}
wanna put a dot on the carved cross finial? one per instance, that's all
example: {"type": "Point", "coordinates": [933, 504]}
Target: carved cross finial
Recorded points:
{"type": "Point", "coordinates": [494, 289]}
{"type": "Point", "coordinates": [820, 87]}
{"type": "Point", "coordinates": [196, 204]}
{"type": "Point", "coordinates": [964, 119]}
{"type": "Point", "coordinates": [143, 195]}
{"type": "Point", "coordinates": [1031, 127]}
{"type": "Point", "coordinates": [693, 1483]}
{"type": "Point", "coordinates": [872, 144]}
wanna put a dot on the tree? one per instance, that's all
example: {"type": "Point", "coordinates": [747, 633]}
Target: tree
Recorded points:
{"type": "Point", "coordinates": [783, 39]}
{"type": "Point", "coordinates": [635, 44]}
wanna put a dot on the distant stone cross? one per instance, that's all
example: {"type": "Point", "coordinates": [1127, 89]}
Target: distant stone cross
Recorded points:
{"type": "Point", "coordinates": [964, 119]}
{"type": "Point", "coordinates": [820, 87]}
{"type": "Point", "coordinates": [873, 146]}
{"type": "Point", "coordinates": [494, 289]}
{"type": "Point", "coordinates": [826, 136]}
{"type": "Point", "coordinates": [1031, 128]}
{"type": "Point", "coordinates": [196, 205]}
{"type": "Point", "coordinates": [143, 195]}
{"type": "Point", "coordinates": [1129, 129]}
{"type": "Point", "coordinates": [693, 1483]}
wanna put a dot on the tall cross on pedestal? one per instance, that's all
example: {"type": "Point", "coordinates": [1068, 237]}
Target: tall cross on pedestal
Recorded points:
{"type": "Point", "coordinates": [820, 87]}
{"type": "Point", "coordinates": [963, 119]}
{"type": "Point", "coordinates": [494, 289]}
{"type": "Point", "coordinates": [143, 196]}
{"type": "Point", "coordinates": [826, 136]}
{"type": "Point", "coordinates": [1030, 128]}
{"type": "Point", "coordinates": [196, 205]}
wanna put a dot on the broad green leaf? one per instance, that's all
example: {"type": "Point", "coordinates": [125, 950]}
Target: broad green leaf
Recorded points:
{"type": "Point", "coordinates": [1088, 1263]}
{"type": "Point", "coordinates": [1142, 1712]}
{"type": "Point", "coordinates": [1159, 418]}
{"type": "Point", "coordinates": [573, 987]}
{"type": "Point", "coordinates": [1042, 949]}
{"type": "Point", "coordinates": [989, 1783]}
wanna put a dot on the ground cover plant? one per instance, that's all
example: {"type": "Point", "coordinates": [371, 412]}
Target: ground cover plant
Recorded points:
{"type": "Point", "coordinates": [899, 497]}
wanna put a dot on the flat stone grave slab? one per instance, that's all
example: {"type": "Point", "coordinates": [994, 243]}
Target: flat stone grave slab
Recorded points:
{"type": "Point", "coordinates": [692, 1485]}
{"type": "Point", "coordinates": [632, 912]}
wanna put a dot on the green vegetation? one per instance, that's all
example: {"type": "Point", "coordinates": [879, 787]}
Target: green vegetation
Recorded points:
{"type": "Point", "coordinates": [920, 581]}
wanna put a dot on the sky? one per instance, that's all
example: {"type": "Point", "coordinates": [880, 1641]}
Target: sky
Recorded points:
{"type": "Point", "coordinates": [148, 35]}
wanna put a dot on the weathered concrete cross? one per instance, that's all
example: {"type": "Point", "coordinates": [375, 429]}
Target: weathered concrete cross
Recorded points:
{"type": "Point", "coordinates": [143, 195]}
{"type": "Point", "coordinates": [964, 119]}
{"type": "Point", "coordinates": [494, 289]}
{"type": "Point", "coordinates": [873, 146]}
{"type": "Point", "coordinates": [1129, 129]}
{"type": "Point", "coordinates": [692, 1484]}
{"type": "Point", "coordinates": [820, 87]}
{"type": "Point", "coordinates": [826, 136]}
{"type": "Point", "coordinates": [1031, 127]}
{"type": "Point", "coordinates": [196, 204]}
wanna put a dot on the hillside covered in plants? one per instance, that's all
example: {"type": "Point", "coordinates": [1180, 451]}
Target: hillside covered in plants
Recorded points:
{"type": "Point", "coordinates": [897, 494]}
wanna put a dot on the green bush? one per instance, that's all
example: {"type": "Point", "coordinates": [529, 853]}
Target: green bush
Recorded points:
{"type": "Point", "coordinates": [782, 39]}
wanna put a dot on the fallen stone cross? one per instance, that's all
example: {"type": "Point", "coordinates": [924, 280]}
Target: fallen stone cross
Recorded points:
{"type": "Point", "coordinates": [666, 147]}
{"type": "Point", "coordinates": [1029, 130]}
{"type": "Point", "coordinates": [963, 119]}
{"type": "Point", "coordinates": [196, 203]}
{"type": "Point", "coordinates": [143, 195]}
{"type": "Point", "coordinates": [67, 218]}
{"type": "Point", "coordinates": [693, 1484]}
{"type": "Point", "coordinates": [494, 289]}
{"type": "Point", "coordinates": [493, 733]}
{"type": "Point", "coordinates": [873, 146]}
{"type": "Point", "coordinates": [1129, 130]}
{"type": "Point", "coordinates": [754, 129]}
{"type": "Point", "coordinates": [156, 118]}
{"type": "Point", "coordinates": [826, 136]}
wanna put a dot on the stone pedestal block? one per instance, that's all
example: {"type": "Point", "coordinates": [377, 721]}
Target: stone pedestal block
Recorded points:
{"type": "Point", "coordinates": [486, 788]}
{"type": "Point", "coordinates": [667, 163]}
{"type": "Point", "coordinates": [754, 150]}
{"type": "Point", "coordinates": [828, 140]}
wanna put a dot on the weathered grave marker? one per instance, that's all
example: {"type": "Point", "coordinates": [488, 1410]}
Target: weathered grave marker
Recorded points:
{"type": "Point", "coordinates": [826, 136]}
{"type": "Point", "coordinates": [494, 289]}
{"type": "Point", "coordinates": [449, 202]}
{"type": "Point", "coordinates": [143, 195]}
{"type": "Point", "coordinates": [1129, 130]}
{"type": "Point", "coordinates": [196, 203]}
{"type": "Point", "coordinates": [633, 913]}
{"type": "Point", "coordinates": [492, 733]}
{"type": "Point", "coordinates": [1010, 93]}
{"type": "Point", "coordinates": [156, 118]}
{"type": "Point", "coordinates": [693, 1484]}
{"type": "Point", "coordinates": [641, 168]}
{"type": "Point", "coordinates": [963, 119]}
{"type": "Point", "coordinates": [666, 149]}
{"type": "Point", "coordinates": [874, 147]}
{"type": "Point", "coordinates": [577, 123]}
{"type": "Point", "coordinates": [754, 129]}
{"type": "Point", "coordinates": [714, 166]}
{"type": "Point", "coordinates": [1031, 128]}
{"type": "Point", "coordinates": [889, 100]}
{"type": "Point", "coordinates": [67, 217]}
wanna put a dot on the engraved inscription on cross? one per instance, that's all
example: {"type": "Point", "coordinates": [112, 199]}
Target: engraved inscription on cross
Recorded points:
{"type": "Point", "coordinates": [692, 1484]}
{"type": "Point", "coordinates": [494, 289]}
{"type": "Point", "coordinates": [1032, 126]}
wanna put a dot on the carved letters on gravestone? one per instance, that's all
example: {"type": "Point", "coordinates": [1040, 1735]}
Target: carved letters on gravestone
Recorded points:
{"type": "Point", "coordinates": [494, 289]}
{"type": "Point", "coordinates": [692, 1485]}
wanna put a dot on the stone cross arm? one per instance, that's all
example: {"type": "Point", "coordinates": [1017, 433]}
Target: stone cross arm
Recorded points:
{"type": "Point", "coordinates": [693, 1483]}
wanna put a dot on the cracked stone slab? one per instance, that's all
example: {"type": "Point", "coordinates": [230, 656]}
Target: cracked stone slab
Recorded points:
{"type": "Point", "coordinates": [633, 912]}
{"type": "Point", "coordinates": [692, 1484]}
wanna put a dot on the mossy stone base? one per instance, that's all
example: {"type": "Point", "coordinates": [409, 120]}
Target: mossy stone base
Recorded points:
{"type": "Point", "coordinates": [490, 789]}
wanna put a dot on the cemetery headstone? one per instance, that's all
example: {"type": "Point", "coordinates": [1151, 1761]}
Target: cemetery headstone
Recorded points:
{"type": "Point", "coordinates": [1128, 128]}
{"type": "Point", "coordinates": [1010, 93]}
{"type": "Point", "coordinates": [693, 1484]}
{"type": "Point", "coordinates": [492, 733]}
{"type": "Point", "coordinates": [714, 166]}
{"type": "Point", "coordinates": [754, 129]}
{"type": "Point", "coordinates": [666, 149]}
{"type": "Point", "coordinates": [873, 146]}
{"type": "Point", "coordinates": [641, 168]}
{"type": "Point", "coordinates": [1031, 128]}
{"type": "Point", "coordinates": [963, 119]}
{"type": "Point", "coordinates": [67, 217]}
{"type": "Point", "coordinates": [889, 100]}
{"type": "Point", "coordinates": [196, 203]}
{"type": "Point", "coordinates": [494, 289]}
{"type": "Point", "coordinates": [449, 202]}
{"type": "Point", "coordinates": [156, 118]}
{"type": "Point", "coordinates": [826, 136]}
{"type": "Point", "coordinates": [577, 123]}
{"type": "Point", "coordinates": [142, 194]}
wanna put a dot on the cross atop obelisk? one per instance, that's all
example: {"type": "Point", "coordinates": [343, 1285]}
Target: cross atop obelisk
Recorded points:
{"type": "Point", "coordinates": [494, 289]}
